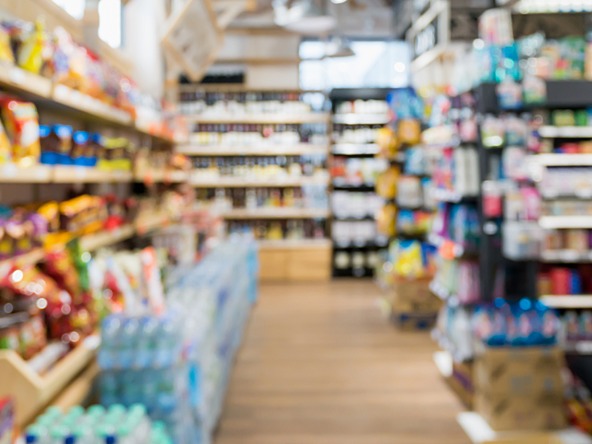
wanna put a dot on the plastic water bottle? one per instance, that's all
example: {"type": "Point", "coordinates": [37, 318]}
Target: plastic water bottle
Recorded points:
{"type": "Point", "coordinates": [109, 351]}
{"type": "Point", "coordinates": [147, 342]}
{"type": "Point", "coordinates": [129, 341]}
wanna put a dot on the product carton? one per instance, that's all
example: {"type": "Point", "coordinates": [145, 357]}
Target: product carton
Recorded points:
{"type": "Point", "coordinates": [520, 388]}
{"type": "Point", "coordinates": [519, 371]}
{"type": "Point", "coordinates": [414, 296]}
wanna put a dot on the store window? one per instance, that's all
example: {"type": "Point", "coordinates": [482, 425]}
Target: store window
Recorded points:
{"type": "Point", "coordinates": [376, 64]}
{"type": "Point", "coordinates": [110, 18]}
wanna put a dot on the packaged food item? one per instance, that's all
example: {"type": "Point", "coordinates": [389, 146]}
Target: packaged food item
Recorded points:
{"type": "Point", "coordinates": [409, 131]}
{"type": "Point", "coordinates": [6, 54]}
{"type": "Point", "coordinates": [31, 53]}
{"type": "Point", "coordinates": [386, 183]}
{"type": "Point", "coordinates": [22, 125]}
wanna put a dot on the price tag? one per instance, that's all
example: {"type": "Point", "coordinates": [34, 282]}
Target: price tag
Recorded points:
{"type": "Point", "coordinates": [585, 193]}
{"type": "Point", "coordinates": [570, 255]}
{"type": "Point", "coordinates": [447, 249]}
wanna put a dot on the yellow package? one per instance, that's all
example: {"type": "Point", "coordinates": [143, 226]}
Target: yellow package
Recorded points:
{"type": "Point", "coordinates": [386, 220]}
{"type": "Point", "coordinates": [409, 131]}
{"type": "Point", "coordinates": [6, 54]}
{"type": "Point", "coordinates": [30, 56]}
{"type": "Point", "coordinates": [5, 147]}
{"type": "Point", "coordinates": [387, 142]}
{"type": "Point", "coordinates": [22, 126]}
{"type": "Point", "coordinates": [386, 183]}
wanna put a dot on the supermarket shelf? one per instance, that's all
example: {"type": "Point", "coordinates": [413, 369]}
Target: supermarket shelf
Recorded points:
{"type": "Point", "coordinates": [443, 361]}
{"type": "Point", "coordinates": [29, 258]}
{"type": "Point", "coordinates": [479, 432]}
{"type": "Point", "coordinates": [564, 159]}
{"type": "Point", "coordinates": [579, 347]}
{"type": "Point", "coordinates": [162, 176]}
{"type": "Point", "coordinates": [106, 238]}
{"type": "Point", "coordinates": [451, 196]}
{"type": "Point", "coordinates": [40, 89]}
{"type": "Point", "coordinates": [350, 149]}
{"type": "Point", "coordinates": [294, 244]}
{"type": "Point", "coordinates": [565, 222]}
{"type": "Point", "coordinates": [565, 132]}
{"type": "Point", "coordinates": [256, 119]}
{"type": "Point", "coordinates": [10, 173]}
{"type": "Point", "coordinates": [23, 81]}
{"type": "Point", "coordinates": [264, 150]}
{"type": "Point", "coordinates": [76, 174]}
{"type": "Point", "coordinates": [566, 256]}
{"type": "Point", "coordinates": [77, 101]}
{"type": "Point", "coordinates": [275, 213]}
{"type": "Point", "coordinates": [32, 391]}
{"type": "Point", "coordinates": [353, 218]}
{"type": "Point", "coordinates": [361, 119]}
{"type": "Point", "coordinates": [340, 245]}
{"type": "Point", "coordinates": [238, 182]}
{"type": "Point", "coordinates": [567, 301]}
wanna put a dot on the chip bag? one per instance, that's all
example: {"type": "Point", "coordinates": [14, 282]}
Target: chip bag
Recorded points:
{"type": "Point", "coordinates": [22, 125]}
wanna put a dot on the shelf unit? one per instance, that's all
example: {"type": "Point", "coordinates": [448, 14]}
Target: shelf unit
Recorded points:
{"type": "Point", "coordinates": [348, 149]}
{"type": "Point", "coordinates": [45, 93]}
{"type": "Point", "coordinates": [32, 392]}
{"type": "Point", "coordinates": [568, 301]}
{"type": "Point", "coordinates": [275, 213]}
{"type": "Point", "coordinates": [256, 150]}
{"type": "Point", "coordinates": [311, 128]}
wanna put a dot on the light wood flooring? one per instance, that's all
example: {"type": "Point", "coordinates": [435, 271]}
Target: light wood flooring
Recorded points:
{"type": "Point", "coordinates": [320, 365]}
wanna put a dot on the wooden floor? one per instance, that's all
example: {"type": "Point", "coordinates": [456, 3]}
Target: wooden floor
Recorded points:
{"type": "Point", "coordinates": [320, 365]}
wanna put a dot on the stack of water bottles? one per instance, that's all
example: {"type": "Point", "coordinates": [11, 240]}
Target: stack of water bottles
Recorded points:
{"type": "Point", "coordinates": [177, 363]}
{"type": "Point", "coordinates": [96, 426]}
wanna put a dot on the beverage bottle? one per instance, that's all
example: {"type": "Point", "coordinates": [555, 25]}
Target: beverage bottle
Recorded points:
{"type": "Point", "coordinates": [128, 342]}
{"type": "Point", "coordinates": [147, 339]}
{"type": "Point", "coordinates": [109, 351]}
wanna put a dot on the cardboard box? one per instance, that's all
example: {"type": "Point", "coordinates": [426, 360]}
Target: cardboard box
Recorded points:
{"type": "Point", "coordinates": [520, 388]}
{"type": "Point", "coordinates": [519, 371]}
{"type": "Point", "coordinates": [509, 412]}
{"type": "Point", "coordinates": [413, 296]}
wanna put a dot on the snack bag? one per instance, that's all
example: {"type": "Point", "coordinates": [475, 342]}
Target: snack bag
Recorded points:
{"type": "Point", "coordinates": [386, 183]}
{"type": "Point", "coordinates": [59, 266]}
{"type": "Point", "coordinates": [31, 54]}
{"type": "Point", "coordinates": [6, 54]}
{"type": "Point", "coordinates": [22, 125]}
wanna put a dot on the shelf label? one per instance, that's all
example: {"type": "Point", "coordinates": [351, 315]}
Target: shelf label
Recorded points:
{"type": "Point", "coordinates": [17, 76]}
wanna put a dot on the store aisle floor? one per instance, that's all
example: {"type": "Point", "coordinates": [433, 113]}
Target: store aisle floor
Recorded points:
{"type": "Point", "coordinates": [319, 365]}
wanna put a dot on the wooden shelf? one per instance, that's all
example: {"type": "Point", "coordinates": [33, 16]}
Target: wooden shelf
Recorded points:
{"type": "Point", "coordinates": [275, 213]}
{"type": "Point", "coordinates": [567, 301]}
{"type": "Point", "coordinates": [239, 182]}
{"type": "Point", "coordinates": [361, 119]}
{"type": "Point", "coordinates": [162, 176]}
{"type": "Point", "coordinates": [106, 238]}
{"type": "Point", "coordinates": [31, 391]}
{"type": "Point", "coordinates": [77, 174]}
{"type": "Point", "coordinates": [43, 90]}
{"type": "Point", "coordinates": [19, 80]}
{"type": "Point", "coordinates": [294, 244]}
{"type": "Point", "coordinates": [479, 432]}
{"type": "Point", "coordinates": [271, 150]}
{"type": "Point", "coordinates": [261, 118]}
{"type": "Point", "coordinates": [565, 132]}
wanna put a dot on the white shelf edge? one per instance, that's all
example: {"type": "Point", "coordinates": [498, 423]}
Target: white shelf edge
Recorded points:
{"type": "Point", "coordinates": [361, 119]}
{"type": "Point", "coordinates": [255, 150]}
{"type": "Point", "coordinates": [559, 159]}
{"type": "Point", "coordinates": [479, 432]}
{"type": "Point", "coordinates": [275, 213]}
{"type": "Point", "coordinates": [260, 118]}
{"type": "Point", "coordinates": [576, 132]}
{"type": "Point", "coordinates": [567, 301]}
{"type": "Point", "coordinates": [565, 222]}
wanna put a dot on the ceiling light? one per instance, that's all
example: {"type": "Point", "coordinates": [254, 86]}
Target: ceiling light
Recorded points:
{"type": "Point", "coordinates": [338, 47]}
{"type": "Point", "coordinates": [304, 17]}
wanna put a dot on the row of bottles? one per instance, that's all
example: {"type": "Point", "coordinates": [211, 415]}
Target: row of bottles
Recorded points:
{"type": "Point", "coordinates": [253, 134]}
{"type": "Point", "coordinates": [293, 166]}
{"type": "Point", "coordinates": [279, 230]}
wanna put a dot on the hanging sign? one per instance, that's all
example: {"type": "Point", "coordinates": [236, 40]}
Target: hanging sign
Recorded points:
{"type": "Point", "coordinates": [193, 38]}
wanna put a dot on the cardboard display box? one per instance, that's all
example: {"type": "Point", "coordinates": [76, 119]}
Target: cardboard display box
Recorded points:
{"type": "Point", "coordinates": [520, 388]}
{"type": "Point", "coordinates": [413, 296]}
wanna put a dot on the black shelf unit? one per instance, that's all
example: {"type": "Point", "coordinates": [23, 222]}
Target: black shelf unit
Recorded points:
{"type": "Point", "coordinates": [337, 96]}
